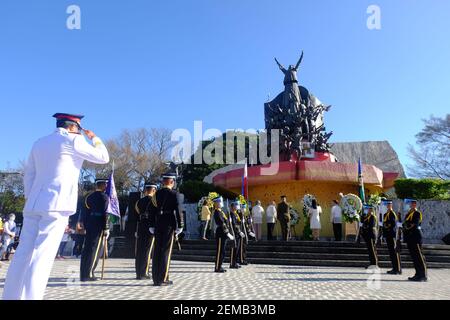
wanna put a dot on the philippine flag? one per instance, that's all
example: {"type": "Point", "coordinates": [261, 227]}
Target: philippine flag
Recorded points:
{"type": "Point", "coordinates": [245, 181]}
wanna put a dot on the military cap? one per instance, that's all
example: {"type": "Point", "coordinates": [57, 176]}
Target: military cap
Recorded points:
{"type": "Point", "coordinates": [149, 185]}
{"type": "Point", "coordinates": [101, 180]}
{"type": "Point", "coordinates": [169, 175]}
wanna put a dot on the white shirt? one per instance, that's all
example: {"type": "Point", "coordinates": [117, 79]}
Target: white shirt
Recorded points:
{"type": "Point", "coordinates": [271, 213]}
{"type": "Point", "coordinates": [53, 169]}
{"type": "Point", "coordinates": [257, 214]}
{"type": "Point", "coordinates": [336, 214]}
{"type": "Point", "coordinates": [9, 229]}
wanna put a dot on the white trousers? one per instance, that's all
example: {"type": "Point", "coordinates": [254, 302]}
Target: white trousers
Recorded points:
{"type": "Point", "coordinates": [258, 230]}
{"type": "Point", "coordinates": [32, 263]}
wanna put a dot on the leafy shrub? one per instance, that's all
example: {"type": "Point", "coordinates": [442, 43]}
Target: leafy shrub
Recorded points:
{"type": "Point", "coordinates": [422, 188]}
{"type": "Point", "coordinates": [194, 190]}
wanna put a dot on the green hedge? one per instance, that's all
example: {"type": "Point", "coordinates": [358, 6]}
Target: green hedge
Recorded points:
{"type": "Point", "coordinates": [422, 188]}
{"type": "Point", "coordinates": [195, 190]}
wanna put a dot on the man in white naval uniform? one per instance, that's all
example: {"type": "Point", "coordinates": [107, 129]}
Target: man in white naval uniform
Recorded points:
{"type": "Point", "coordinates": [51, 192]}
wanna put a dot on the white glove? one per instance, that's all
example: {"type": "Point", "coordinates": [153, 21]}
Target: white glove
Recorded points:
{"type": "Point", "coordinates": [399, 225]}
{"type": "Point", "coordinates": [251, 234]}
{"type": "Point", "coordinates": [136, 235]}
{"type": "Point", "coordinates": [230, 236]}
{"type": "Point", "coordinates": [242, 235]}
{"type": "Point", "coordinates": [178, 231]}
{"type": "Point", "coordinates": [152, 230]}
{"type": "Point", "coordinates": [107, 234]}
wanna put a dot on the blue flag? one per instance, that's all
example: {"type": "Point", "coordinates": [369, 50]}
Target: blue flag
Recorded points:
{"type": "Point", "coordinates": [113, 207]}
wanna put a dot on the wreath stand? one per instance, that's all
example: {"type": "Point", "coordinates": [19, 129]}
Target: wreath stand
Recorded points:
{"type": "Point", "coordinates": [351, 229]}
{"type": "Point", "coordinates": [292, 232]}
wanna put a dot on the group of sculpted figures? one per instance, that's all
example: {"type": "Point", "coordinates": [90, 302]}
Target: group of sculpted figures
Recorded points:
{"type": "Point", "coordinates": [298, 115]}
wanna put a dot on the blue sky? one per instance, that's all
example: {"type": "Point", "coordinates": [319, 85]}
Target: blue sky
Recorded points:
{"type": "Point", "coordinates": [167, 63]}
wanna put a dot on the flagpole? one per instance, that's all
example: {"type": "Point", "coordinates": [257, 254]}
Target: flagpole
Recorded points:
{"type": "Point", "coordinates": [105, 242]}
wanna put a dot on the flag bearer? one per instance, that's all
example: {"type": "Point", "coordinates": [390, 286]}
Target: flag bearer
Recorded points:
{"type": "Point", "coordinates": [95, 222]}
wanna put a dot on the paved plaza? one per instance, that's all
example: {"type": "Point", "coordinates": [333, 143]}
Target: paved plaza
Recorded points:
{"type": "Point", "coordinates": [195, 281]}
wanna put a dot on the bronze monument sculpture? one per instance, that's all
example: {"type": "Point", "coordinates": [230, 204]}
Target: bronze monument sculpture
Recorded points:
{"type": "Point", "coordinates": [298, 115]}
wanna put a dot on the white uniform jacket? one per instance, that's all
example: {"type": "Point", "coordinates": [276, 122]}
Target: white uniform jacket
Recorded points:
{"type": "Point", "coordinates": [53, 170]}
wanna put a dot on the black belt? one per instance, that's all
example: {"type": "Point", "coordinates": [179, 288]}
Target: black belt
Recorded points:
{"type": "Point", "coordinates": [164, 212]}
{"type": "Point", "coordinates": [97, 214]}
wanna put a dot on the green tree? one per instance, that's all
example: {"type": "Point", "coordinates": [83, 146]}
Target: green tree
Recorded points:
{"type": "Point", "coordinates": [10, 202]}
{"type": "Point", "coordinates": [240, 151]}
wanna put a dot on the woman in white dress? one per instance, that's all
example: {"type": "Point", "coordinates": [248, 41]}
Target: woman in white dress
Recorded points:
{"type": "Point", "coordinates": [314, 219]}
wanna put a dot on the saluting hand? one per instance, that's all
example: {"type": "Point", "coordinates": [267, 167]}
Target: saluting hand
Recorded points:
{"type": "Point", "coordinates": [91, 135]}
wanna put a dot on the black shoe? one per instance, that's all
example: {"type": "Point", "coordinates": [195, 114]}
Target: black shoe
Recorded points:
{"type": "Point", "coordinates": [244, 264]}
{"type": "Point", "coordinates": [413, 278]}
{"type": "Point", "coordinates": [90, 279]}
{"type": "Point", "coordinates": [394, 272]}
{"type": "Point", "coordinates": [418, 279]}
{"type": "Point", "coordinates": [422, 279]}
{"type": "Point", "coordinates": [220, 271]}
{"type": "Point", "coordinates": [167, 283]}
{"type": "Point", "coordinates": [157, 284]}
{"type": "Point", "coordinates": [234, 267]}
{"type": "Point", "coordinates": [143, 278]}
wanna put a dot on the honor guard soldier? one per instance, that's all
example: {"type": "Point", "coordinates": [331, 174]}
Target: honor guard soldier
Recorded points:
{"type": "Point", "coordinates": [247, 227]}
{"type": "Point", "coordinates": [284, 217]}
{"type": "Point", "coordinates": [390, 235]}
{"type": "Point", "coordinates": [145, 241]}
{"type": "Point", "coordinates": [412, 233]}
{"type": "Point", "coordinates": [223, 230]}
{"type": "Point", "coordinates": [166, 226]}
{"type": "Point", "coordinates": [236, 225]}
{"type": "Point", "coordinates": [96, 224]}
{"type": "Point", "coordinates": [51, 190]}
{"type": "Point", "coordinates": [368, 233]}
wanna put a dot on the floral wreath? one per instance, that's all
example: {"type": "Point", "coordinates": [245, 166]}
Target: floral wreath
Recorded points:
{"type": "Point", "coordinates": [351, 206]}
{"type": "Point", "coordinates": [307, 204]}
{"type": "Point", "coordinates": [242, 200]}
{"type": "Point", "coordinates": [295, 217]}
{"type": "Point", "coordinates": [209, 199]}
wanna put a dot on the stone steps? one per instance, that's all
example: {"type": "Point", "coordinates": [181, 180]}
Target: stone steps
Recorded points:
{"type": "Point", "coordinates": [313, 253]}
{"type": "Point", "coordinates": [306, 253]}
{"type": "Point", "coordinates": [312, 256]}
{"type": "Point", "coordinates": [307, 262]}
